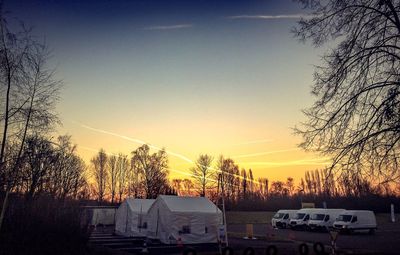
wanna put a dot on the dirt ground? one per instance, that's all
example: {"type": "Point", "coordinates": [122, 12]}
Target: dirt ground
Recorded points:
{"type": "Point", "coordinates": [386, 239]}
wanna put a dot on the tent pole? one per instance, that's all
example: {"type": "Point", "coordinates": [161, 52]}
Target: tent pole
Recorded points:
{"type": "Point", "coordinates": [126, 219]}
{"type": "Point", "coordinates": [223, 209]}
{"type": "Point", "coordinates": [140, 219]}
{"type": "Point", "coordinates": [158, 210]}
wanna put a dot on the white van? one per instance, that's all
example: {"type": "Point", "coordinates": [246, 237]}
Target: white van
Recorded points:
{"type": "Point", "coordinates": [351, 221]}
{"type": "Point", "coordinates": [282, 218]}
{"type": "Point", "coordinates": [301, 218]}
{"type": "Point", "coordinates": [323, 219]}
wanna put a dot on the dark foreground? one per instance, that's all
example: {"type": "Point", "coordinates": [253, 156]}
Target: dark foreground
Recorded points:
{"type": "Point", "coordinates": [385, 241]}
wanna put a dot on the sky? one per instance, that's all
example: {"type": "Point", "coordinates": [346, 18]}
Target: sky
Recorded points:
{"type": "Point", "coordinates": [217, 77]}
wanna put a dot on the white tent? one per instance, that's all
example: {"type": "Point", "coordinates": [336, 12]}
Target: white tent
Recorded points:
{"type": "Point", "coordinates": [131, 217]}
{"type": "Point", "coordinates": [101, 215]}
{"type": "Point", "coordinates": [190, 219]}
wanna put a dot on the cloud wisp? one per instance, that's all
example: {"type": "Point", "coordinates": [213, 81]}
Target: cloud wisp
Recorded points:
{"type": "Point", "coordinates": [271, 17]}
{"type": "Point", "coordinates": [169, 27]}
{"type": "Point", "coordinates": [302, 162]}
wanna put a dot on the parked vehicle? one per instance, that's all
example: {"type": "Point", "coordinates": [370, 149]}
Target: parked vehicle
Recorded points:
{"type": "Point", "coordinates": [323, 219]}
{"type": "Point", "coordinates": [350, 221]}
{"type": "Point", "coordinates": [301, 218]}
{"type": "Point", "coordinates": [282, 218]}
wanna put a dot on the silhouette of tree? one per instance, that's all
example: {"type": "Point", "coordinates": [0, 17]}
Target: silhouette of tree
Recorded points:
{"type": "Point", "coordinates": [112, 173]}
{"type": "Point", "coordinates": [38, 160]}
{"type": "Point", "coordinates": [99, 163]}
{"type": "Point", "coordinates": [203, 173]}
{"type": "Point", "coordinates": [290, 185]}
{"type": "Point", "coordinates": [176, 185]}
{"type": "Point", "coordinates": [187, 186]}
{"type": "Point", "coordinates": [244, 183]}
{"type": "Point", "coordinates": [153, 168]}
{"type": "Point", "coordinates": [230, 172]}
{"type": "Point", "coordinates": [67, 176]}
{"type": "Point", "coordinates": [135, 181]}
{"type": "Point", "coordinates": [356, 115]}
{"type": "Point", "coordinates": [28, 92]}
{"type": "Point", "coordinates": [122, 174]}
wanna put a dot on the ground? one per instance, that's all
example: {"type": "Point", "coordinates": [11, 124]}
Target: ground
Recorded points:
{"type": "Point", "coordinates": [386, 240]}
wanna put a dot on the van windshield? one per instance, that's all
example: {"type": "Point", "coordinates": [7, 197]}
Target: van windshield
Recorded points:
{"type": "Point", "coordinates": [279, 215]}
{"type": "Point", "coordinates": [345, 218]}
{"type": "Point", "coordinates": [299, 216]}
{"type": "Point", "coordinates": [318, 216]}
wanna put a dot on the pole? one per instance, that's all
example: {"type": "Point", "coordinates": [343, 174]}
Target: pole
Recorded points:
{"type": "Point", "coordinates": [392, 213]}
{"type": "Point", "coordinates": [223, 209]}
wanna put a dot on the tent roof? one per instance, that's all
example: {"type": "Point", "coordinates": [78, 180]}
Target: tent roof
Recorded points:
{"type": "Point", "coordinates": [139, 205]}
{"type": "Point", "coordinates": [189, 204]}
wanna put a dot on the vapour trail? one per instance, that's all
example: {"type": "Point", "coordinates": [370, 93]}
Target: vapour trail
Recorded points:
{"type": "Point", "coordinates": [135, 140]}
{"type": "Point", "coordinates": [315, 161]}
{"type": "Point", "coordinates": [186, 158]}
{"type": "Point", "coordinates": [151, 146]}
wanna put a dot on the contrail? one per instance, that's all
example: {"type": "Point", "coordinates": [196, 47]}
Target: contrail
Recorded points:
{"type": "Point", "coordinates": [135, 140]}
{"type": "Point", "coordinates": [321, 161]}
{"type": "Point", "coordinates": [263, 153]}
{"type": "Point", "coordinates": [266, 17]}
{"type": "Point", "coordinates": [168, 27]}
{"type": "Point", "coordinates": [299, 162]}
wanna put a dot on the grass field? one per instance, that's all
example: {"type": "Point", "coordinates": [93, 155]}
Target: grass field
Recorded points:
{"type": "Point", "coordinates": [237, 217]}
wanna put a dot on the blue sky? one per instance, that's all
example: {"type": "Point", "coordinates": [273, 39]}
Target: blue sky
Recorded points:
{"type": "Point", "coordinates": [192, 76]}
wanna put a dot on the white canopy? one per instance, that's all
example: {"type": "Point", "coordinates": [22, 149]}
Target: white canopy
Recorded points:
{"type": "Point", "coordinates": [102, 216]}
{"type": "Point", "coordinates": [190, 219]}
{"type": "Point", "coordinates": [131, 217]}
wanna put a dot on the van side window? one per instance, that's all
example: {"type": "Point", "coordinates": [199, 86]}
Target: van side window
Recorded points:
{"type": "Point", "coordinates": [286, 217]}
{"type": "Point", "coordinates": [354, 219]}
{"type": "Point", "coordinates": [327, 217]}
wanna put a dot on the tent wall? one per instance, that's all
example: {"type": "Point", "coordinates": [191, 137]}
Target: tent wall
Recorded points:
{"type": "Point", "coordinates": [103, 216]}
{"type": "Point", "coordinates": [191, 227]}
{"type": "Point", "coordinates": [131, 217]}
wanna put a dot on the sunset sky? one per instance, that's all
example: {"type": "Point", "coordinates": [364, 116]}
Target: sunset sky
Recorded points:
{"type": "Point", "coordinates": [216, 77]}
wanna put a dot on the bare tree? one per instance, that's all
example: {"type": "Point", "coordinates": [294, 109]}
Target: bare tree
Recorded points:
{"type": "Point", "coordinates": [153, 168]}
{"type": "Point", "coordinates": [112, 173]}
{"type": "Point", "coordinates": [187, 186]}
{"type": "Point", "coordinates": [356, 115]}
{"type": "Point", "coordinates": [244, 184]}
{"type": "Point", "coordinates": [66, 178]}
{"type": "Point", "coordinates": [122, 169]}
{"type": "Point", "coordinates": [202, 173]}
{"type": "Point", "coordinates": [99, 163]}
{"type": "Point", "coordinates": [230, 176]}
{"type": "Point", "coordinates": [290, 185]}
{"type": "Point", "coordinates": [28, 96]}
{"type": "Point", "coordinates": [38, 160]}
{"type": "Point", "coordinates": [135, 178]}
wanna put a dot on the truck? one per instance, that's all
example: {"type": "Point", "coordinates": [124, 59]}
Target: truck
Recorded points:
{"type": "Point", "coordinates": [356, 220]}
{"type": "Point", "coordinates": [323, 219]}
{"type": "Point", "coordinates": [301, 218]}
{"type": "Point", "coordinates": [282, 218]}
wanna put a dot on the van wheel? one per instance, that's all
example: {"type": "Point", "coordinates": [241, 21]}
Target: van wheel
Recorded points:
{"type": "Point", "coordinates": [371, 231]}
{"type": "Point", "coordinates": [283, 225]}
